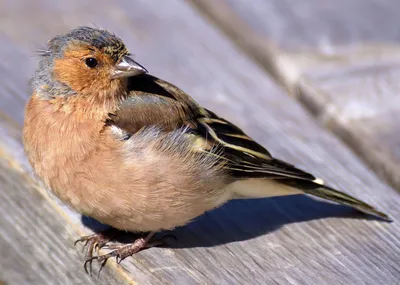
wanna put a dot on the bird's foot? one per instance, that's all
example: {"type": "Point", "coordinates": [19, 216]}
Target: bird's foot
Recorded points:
{"type": "Point", "coordinates": [122, 251]}
{"type": "Point", "coordinates": [94, 242]}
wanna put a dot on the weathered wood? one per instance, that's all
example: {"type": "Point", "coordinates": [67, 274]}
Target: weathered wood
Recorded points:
{"type": "Point", "coordinates": [361, 105]}
{"type": "Point", "coordinates": [320, 25]}
{"type": "Point", "coordinates": [35, 244]}
{"type": "Point", "coordinates": [308, 45]}
{"type": "Point", "coordinates": [291, 240]}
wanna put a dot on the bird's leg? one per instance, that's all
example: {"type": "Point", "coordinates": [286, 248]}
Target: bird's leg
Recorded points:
{"type": "Point", "coordinates": [122, 251]}
{"type": "Point", "coordinates": [149, 244]}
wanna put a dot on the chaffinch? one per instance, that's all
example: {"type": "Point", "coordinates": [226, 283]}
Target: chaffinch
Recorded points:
{"type": "Point", "coordinates": [136, 152]}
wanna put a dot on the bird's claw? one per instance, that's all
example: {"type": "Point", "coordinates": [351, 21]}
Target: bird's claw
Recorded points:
{"type": "Point", "coordinates": [102, 259]}
{"type": "Point", "coordinates": [93, 243]}
{"type": "Point", "coordinates": [119, 251]}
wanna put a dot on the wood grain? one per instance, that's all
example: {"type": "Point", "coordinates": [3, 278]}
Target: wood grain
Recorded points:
{"type": "Point", "coordinates": [318, 25]}
{"type": "Point", "coordinates": [291, 240]}
{"type": "Point", "coordinates": [36, 243]}
{"type": "Point", "coordinates": [362, 106]}
{"type": "Point", "coordinates": [340, 59]}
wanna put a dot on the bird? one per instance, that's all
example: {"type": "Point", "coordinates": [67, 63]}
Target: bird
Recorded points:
{"type": "Point", "coordinates": [137, 153]}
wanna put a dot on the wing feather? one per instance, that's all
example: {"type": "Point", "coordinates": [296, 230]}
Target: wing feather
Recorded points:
{"type": "Point", "coordinates": [154, 102]}
{"type": "Point", "coordinates": [246, 158]}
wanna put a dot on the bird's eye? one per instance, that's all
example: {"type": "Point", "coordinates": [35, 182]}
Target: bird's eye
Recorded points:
{"type": "Point", "coordinates": [91, 62]}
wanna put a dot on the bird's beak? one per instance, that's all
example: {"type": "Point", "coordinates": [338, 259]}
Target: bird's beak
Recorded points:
{"type": "Point", "coordinates": [127, 67]}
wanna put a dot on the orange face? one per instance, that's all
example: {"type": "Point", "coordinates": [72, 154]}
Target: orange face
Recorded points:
{"type": "Point", "coordinates": [84, 68]}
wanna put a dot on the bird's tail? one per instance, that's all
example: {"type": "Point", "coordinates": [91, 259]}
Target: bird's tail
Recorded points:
{"type": "Point", "coordinates": [331, 194]}
{"type": "Point", "coordinates": [261, 188]}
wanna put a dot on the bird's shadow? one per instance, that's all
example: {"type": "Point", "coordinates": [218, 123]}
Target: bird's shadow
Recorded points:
{"type": "Point", "coordinates": [241, 220]}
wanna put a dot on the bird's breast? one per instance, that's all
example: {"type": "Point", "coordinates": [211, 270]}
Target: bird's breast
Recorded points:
{"type": "Point", "coordinates": [149, 182]}
{"type": "Point", "coordinates": [56, 144]}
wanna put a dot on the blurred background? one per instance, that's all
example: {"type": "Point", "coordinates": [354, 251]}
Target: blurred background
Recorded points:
{"type": "Point", "coordinates": [315, 81]}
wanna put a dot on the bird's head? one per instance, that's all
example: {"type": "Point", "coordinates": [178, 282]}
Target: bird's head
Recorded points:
{"type": "Point", "coordinates": [85, 61]}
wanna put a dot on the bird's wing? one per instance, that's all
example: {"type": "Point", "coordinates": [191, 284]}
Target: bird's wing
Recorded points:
{"type": "Point", "coordinates": [154, 102]}
{"type": "Point", "coordinates": [245, 157]}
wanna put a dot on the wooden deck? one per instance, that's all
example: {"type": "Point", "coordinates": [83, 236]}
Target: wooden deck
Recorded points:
{"type": "Point", "coordinates": [314, 81]}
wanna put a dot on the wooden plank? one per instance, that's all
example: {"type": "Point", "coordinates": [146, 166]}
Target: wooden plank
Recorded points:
{"type": "Point", "coordinates": [35, 245]}
{"type": "Point", "coordinates": [362, 106]}
{"type": "Point", "coordinates": [284, 240]}
{"type": "Point", "coordinates": [320, 25]}
{"type": "Point", "coordinates": [312, 45]}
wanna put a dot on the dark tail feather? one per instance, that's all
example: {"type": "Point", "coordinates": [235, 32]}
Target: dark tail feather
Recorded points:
{"type": "Point", "coordinates": [318, 189]}
{"type": "Point", "coordinates": [342, 198]}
